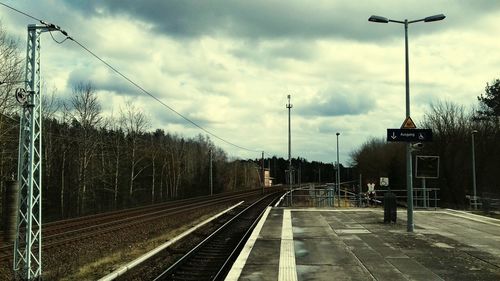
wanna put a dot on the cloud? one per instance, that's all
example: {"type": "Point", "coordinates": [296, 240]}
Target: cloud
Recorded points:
{"type": "Point", "coordinates": [102, 80]}
{"type": "Point", "coordinates": [264, 19]}
{"type": "Point", "coordinates": [337, 102]}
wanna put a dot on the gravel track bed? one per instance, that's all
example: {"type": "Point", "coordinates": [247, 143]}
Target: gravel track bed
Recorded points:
{"type": "Point", "coordinates": [93, 258]}
{"type": "Point", "coordinates": [151, 268]}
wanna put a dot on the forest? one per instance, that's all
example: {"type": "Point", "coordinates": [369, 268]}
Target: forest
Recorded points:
{"type": "Point", "coordinates": [95, 164]}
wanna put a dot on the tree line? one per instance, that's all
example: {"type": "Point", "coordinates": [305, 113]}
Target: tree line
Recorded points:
{"type": "Point", "coordinates": [95, 164]}
{"type": "Point", "coordinates": [305, 171]}
{"type": "Point", "coordinates": [453, 127]}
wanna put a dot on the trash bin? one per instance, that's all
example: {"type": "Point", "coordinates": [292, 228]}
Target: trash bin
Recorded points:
{"type": "Point", "coordinates": [390, 207]}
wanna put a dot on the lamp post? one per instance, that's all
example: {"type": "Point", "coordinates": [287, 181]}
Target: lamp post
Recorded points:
{"type": "Point", "coordinates": [211, 176]}
{"type": "Point", "coordinates": [409, 184]}
{"type": "Point", "coordinates": [338, 168]}
{"type": "Point", "coordinates": [290, 179]}
{"type": "Point", "coordinates": [474, 170]}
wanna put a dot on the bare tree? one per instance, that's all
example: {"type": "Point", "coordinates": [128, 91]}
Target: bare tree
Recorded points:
{"type": "Point", "coordinates": [134, 122]}
{"type": "Point", "coordinates": [11, 70]}
{"type": "Point", "coordinates": [117, 142]}
{"type": "Point", "coordinates": [451, 126]}
{"type": "Point", "coordinates": [85, 112]}
{"type": "Point", "coordinates": [10, 76]}
{"type": "Point", "coordinates": [50, 106]}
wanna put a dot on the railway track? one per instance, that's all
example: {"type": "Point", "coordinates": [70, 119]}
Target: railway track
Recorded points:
{"type": "Point", "coordinates": [211, 259]}
{"type": "Point", "coordinates": [67, 231]}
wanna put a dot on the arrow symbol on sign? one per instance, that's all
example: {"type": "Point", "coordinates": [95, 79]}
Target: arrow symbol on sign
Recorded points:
{"type": "Point", "coordinates": [393, 136]}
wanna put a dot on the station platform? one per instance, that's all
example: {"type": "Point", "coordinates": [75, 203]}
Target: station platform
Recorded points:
{"type": "Point", "coordinates": [355, 244]}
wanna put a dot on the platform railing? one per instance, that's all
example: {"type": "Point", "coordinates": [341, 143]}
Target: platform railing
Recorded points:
{"type": "Point", "coordinates": [326, 195]}
{"type": "Point", "coordinates": [486, 203]}
{"type": "Point", "coordinates": [422, 198]}
{"type": "Point", "coordinates": [320, 196]}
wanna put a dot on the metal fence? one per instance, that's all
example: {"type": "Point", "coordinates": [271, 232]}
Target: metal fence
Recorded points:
{"type": "Point", "coordinates": [327, 195]}
{"type": "Point", "coordinates": [487, 203]}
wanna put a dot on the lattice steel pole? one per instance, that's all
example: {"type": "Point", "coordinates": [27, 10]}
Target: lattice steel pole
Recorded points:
{"type": "Point", "coordinates": [28, 242]}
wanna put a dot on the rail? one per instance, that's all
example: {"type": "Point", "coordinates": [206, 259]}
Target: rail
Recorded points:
{"type": "Point", "coordinates": [71, 230]}
{"type": "Point", "coordinates": [216, 270]}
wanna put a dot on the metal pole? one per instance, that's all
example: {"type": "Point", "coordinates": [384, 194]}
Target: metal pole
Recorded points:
{"type": "Point", "coordinates": [360, 188]}
{"type": "Point", "coordinates": [289, 106]}
{"type": "Point", "coordinates": [319, 173]}
{"type": "Point", "coordinates": [300, 174]}
{"type": "Point", "coordinates": [474, 171]}
{"type": "Point", "coordinates": [28, 243]}
{"type": "Point", "coordinates": [424, 192]}
{"type": "Point", "coordinates": [211, 176]}
{"type": "Point", "coordinates": [338, 168]}
{"type": "Point", "coordinates": [409, 182]}
{"type": "Point", "coordinates": [263, 173]}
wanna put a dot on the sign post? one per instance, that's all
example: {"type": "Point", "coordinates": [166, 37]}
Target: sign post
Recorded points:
{"type": "Point", "coordinates": [409, 133]}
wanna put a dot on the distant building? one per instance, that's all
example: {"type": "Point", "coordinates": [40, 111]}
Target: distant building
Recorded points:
{"type": "Point", "coordinates": [268, 180]}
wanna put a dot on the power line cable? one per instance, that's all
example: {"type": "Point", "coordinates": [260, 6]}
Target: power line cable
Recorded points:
{"type": "Point", "coordinates": [21, 12]}
{"type": "Point", "coordinates": [126, 77]}
{"type": "Point", "coordinates": [155, 98]}
{"type": "Point", "coordinates": [58, 42]}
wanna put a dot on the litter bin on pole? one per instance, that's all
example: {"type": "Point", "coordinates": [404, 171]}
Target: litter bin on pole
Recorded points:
{"type": "Point", "coordinates": [390, 207]}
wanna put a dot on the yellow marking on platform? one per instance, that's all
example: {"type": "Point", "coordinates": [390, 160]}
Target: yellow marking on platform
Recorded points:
{"type": "Point", "coordinates": [287, 266]}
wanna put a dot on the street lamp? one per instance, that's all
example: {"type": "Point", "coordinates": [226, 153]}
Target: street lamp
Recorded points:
{"type": "Point", "coordinates": [290, 179]}
{"type": "Point", "coordinates": [338, 168]}
{"type": "Point", "coordinates": [409, 188]}
{"type": "Point", "coordinates": [474, 170]}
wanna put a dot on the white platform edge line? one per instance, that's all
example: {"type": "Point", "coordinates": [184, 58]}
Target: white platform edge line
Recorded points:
{"type": "Point", "coordinates": [281, 199]}
{"type": "Point", "coordinates": [287, 267]}
{"type": "Point", "coordinates": [123, 269]}
{"type": "Point", "coordinates": [239, 264]}
{"type": "Point", "coordinates": [473, 215]}
{"type": "Point", "coordinates": [337, 210]}
{"type": "Point", "coordinates": [466, 216]}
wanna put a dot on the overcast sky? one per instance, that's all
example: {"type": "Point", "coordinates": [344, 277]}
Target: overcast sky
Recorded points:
{"type": "Point", "coordinates": [229, 65]}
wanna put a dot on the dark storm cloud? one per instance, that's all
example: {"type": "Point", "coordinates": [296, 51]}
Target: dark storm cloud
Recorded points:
{"type": "Point", "coordinates": [271, 55]}
{"type": "Point", "coordinates": [336, 103]}
{"type": "Point", "coordinates": [101, 82]}
{"type": "Point", "coordinates": [164, 116]}
{"type": "Point", "coordinates": [264, 19]}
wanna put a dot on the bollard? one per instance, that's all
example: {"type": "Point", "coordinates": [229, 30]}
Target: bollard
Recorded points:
{"type": "Point", "coordinates": [11, 206]}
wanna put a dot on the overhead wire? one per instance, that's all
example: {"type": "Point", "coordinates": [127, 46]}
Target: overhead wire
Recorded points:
{"type": "Point", "coordinates": [21, 12]}
{"type": "Point", "coordinates": [55, 40]}
{"type": "Point", "coordinates": [127, 78]}
{"type": "Point", "coordinates": [157, 99]}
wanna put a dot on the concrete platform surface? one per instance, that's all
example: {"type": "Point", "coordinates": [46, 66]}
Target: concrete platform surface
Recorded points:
{"type": "Point", "coordinates": [355, 244]}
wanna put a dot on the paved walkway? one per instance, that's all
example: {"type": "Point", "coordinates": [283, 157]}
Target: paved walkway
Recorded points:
{"type": "Point", "coordinates": [354, 244]}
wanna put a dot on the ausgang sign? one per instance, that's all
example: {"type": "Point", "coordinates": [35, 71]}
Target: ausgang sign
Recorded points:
{"type": "Point", "coordinates": [409, 135]}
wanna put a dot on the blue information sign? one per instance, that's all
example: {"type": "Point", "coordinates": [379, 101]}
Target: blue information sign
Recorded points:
{"type": "Point", "coordinates": [409, 135]}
